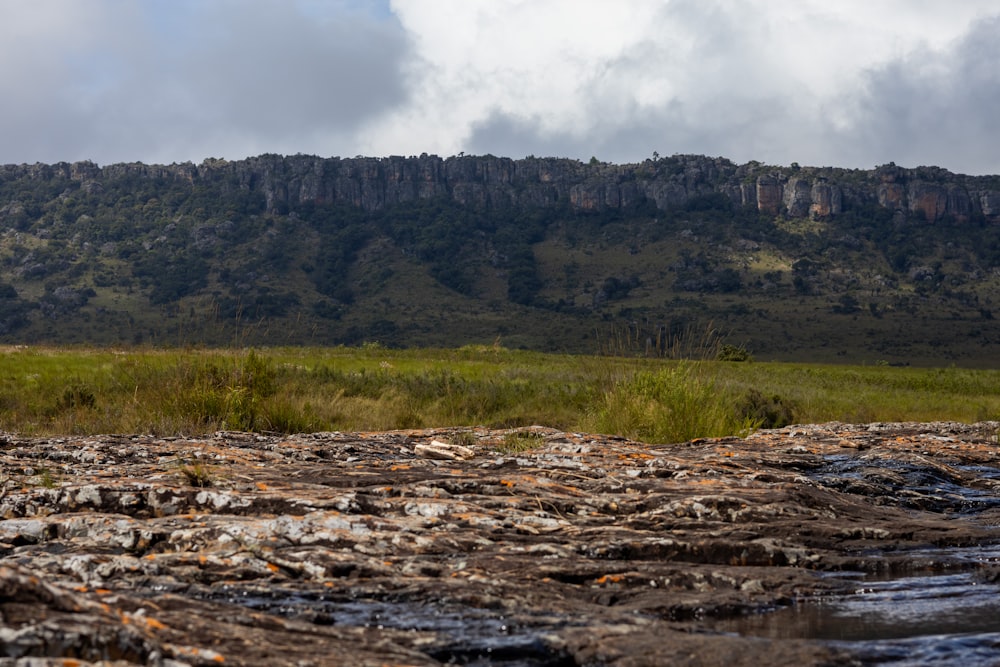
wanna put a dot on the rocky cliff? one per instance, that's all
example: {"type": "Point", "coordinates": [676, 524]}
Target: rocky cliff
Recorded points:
{"type": "Point", "coordinates": [488, 182]}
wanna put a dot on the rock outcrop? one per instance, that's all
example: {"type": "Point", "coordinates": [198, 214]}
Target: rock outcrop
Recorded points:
{"type": "Point", "coordinates": [488, 182]}
{"type": "Point", "coordinates": [411, 548]}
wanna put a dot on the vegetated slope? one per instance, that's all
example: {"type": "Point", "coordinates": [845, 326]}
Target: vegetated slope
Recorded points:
{"type": "Point", "coordinates": [896, 265]}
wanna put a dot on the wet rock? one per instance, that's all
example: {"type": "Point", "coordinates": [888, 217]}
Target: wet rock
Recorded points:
{"type": "Point", "coordinates": [402, 548]}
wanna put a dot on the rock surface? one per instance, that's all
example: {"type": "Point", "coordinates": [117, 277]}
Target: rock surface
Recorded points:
{"type": "Point", "coordinates": [377, 548]}
{"type": "Point", "coordinates": [489, 182]}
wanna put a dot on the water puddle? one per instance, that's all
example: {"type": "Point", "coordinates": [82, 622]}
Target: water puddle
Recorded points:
{"type": "Point", "coordinates": [466, 636]}
{"type": "Point", "coordinates": [928, 619]}
{"type": "Point", "coordinates": [915, 485]}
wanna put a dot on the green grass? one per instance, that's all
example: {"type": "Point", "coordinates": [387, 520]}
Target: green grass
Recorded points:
{"type": "Point", "coordinates": [196, 474]}
{"type": "Point", "coordinates": [674, 403]}
{"type": "Point", "coordinates": [288, 390]}
{"type": "Point", "coordinates": [520, 441]}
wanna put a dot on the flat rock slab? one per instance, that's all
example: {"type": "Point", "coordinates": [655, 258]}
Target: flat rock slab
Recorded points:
{"type": "Point", "coordinates": [443, 547]}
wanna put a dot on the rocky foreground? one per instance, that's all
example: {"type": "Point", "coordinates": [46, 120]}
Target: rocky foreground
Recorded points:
{"type": "Point", "coordinates": [431, 547]}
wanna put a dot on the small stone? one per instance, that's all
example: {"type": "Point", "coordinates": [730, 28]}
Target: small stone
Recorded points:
{"type": "Point", "coordinates": [443, 451]}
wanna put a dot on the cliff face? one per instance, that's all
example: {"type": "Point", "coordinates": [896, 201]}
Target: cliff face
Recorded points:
{"type": "Point", "coordinates": [488, 182]}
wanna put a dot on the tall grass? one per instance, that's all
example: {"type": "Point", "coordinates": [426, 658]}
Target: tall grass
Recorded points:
{"type": "Point", "coordinates": [170, 392]}
{"type": "Point", "coordinates": [675, 403]}
{"type": "Point", "coordinates": [72, 391]}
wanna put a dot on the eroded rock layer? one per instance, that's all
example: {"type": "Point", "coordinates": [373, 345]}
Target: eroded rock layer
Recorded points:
{"type": "Point", "coordinates": [490, 182]}
{"type": "Point", "coordinates": [444, 546]}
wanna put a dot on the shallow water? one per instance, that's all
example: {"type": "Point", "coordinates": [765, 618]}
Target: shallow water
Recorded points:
{"type": "Point", "coordinates": [466, 635]}
{"type": "Point", "coordinates": [939, 619]}
{"type": "Point", "coordinates": [912, 485]}
{"type": "Point", "coordinates": [899, 609]}
{"type": "Point", "coordinates": [943, 612]}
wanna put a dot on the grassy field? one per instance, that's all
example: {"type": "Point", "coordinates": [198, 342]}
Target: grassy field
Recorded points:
{"type": "Point", "coordinates": [287, 390]}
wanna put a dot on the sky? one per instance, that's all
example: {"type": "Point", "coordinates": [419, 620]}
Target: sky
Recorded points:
{"type": "Point", "coordinates": [846, 83]}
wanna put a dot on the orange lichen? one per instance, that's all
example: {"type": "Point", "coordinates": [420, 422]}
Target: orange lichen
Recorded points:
{"type": "Point", "coordinates": [154, 624]}
{"type": "Point", "coordinates": [635, 456]}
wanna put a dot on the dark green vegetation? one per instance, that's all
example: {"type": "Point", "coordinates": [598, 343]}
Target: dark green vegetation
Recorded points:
{"type": "Point", "coordinates": [794, 264]}
{"type": "Point", "coordinates": [285, 390]}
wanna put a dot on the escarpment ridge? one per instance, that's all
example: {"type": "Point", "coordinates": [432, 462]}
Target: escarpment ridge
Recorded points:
{"type": "Point", "coordinates": [489, 182]}
{"type": "Point", "coordinates": [552, 254]}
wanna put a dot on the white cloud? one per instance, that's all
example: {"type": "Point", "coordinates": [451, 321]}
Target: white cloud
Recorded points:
{"type": "Point", "coordinates": [936, 107]}
{"type": "Point", "coordinates": [47, 50]}
{"type": "Point", "coordinates": [855, 83]}
{"type": "Point", "coordinates": [750, 80]}
{"type": "Point", "coordinates": [117, 81]}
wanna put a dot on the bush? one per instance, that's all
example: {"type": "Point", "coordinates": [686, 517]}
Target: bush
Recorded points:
{"type": "Point", "coordinates": [766, 412]}
{"type": "Point", "coordinates": [733, 353]}
{"type": "Point", "coordinates": [675, 404]}
{"type": "Point", "coordinates": [284, 416]}
{"type": "Point", "coordinates": [229, 397]}
{"type": "Point", "coordinates": [77, 396]}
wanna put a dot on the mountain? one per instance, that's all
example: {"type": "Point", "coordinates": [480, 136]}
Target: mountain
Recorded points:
{"type": "Point", "coordinates": [889, 265]}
